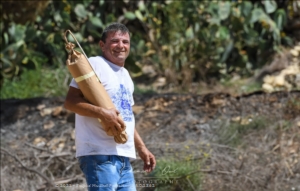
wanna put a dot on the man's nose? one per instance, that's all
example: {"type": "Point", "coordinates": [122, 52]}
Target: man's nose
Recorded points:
{"type": "Point", "coordinates": [120, 44]}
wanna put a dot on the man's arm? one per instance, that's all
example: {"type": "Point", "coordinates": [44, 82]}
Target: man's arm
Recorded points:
{"type": "Point", "coordinates": [76, 103]}
{"type": "Point", "coordinates": [144, 153]}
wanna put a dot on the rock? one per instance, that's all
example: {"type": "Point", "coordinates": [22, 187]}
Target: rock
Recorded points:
{"type": "Point", "coordinates": [267, 87]}
{"type": "Point", "coordinates": [57, 111]}
{"type": "Point", "coordinates": [279, 81]}
{"type": "Point", "coordinates": [149, 70]}
{"type": "Point", "coordinates": [295, 60]}
{"type": "Point", "coordinates": [292, 69]}
{"type": "Point", "coordinates": [245, 121]}
{"type": "Point", "coordinates": [294, 52]}
{"type": "Point", "coordinates": [236, 119]}
{"type": "Point", "coordinates": [160, 82]}
{"type": "Point", "coordinates": [45, 111]}
{"type": "Point", "coordinates": [297, 48]}
{"type": "Point", "coordinates": [203, 120]}
{"type": "Point", "coordinates": [218, 102]}
{"type": "Point", "coordinates": [40, 106]}
{"type": "Point", "coordinates": [49, 125]}
{"type": "Point", "coordinates": [268, 79]}
{"type": "Point", "coordinates": [137, 109]}
{"type": "Point", "coordinates": [61, 145]}
{"type": "Point", "coordinates": [39, 141]}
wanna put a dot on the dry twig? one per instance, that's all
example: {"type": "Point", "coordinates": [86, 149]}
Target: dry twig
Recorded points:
{"type": "Point", "coordinates": [27, 168]}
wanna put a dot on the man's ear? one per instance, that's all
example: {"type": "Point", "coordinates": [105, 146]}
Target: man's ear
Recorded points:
{"type": "Point", "coordinates": [101, 44]}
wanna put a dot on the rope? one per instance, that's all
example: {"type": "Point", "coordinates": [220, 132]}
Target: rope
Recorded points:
{"type": "Point", "coordinates": [71, 46]}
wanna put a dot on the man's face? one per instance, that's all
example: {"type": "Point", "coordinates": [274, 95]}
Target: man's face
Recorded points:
{"type": "Point", "coordinates": [116, 47]}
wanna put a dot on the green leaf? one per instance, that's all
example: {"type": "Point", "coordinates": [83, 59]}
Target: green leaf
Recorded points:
{"type": "Point", "coordinates": [50, 38]}
{"type": "Point", "coordinates": [227, 51]}
{"type": "Point", "coordinates": [78, 36]}
{"type": "Point", "coordinates": [189, 32]}
{"type": "Point", "coordinates": [246, 8]}
{"type": "Point", "coordinates": [86, 2]}
{"type": "Point", "coordinates": [276, 35]}
{"type": "Point", "coordinates": [213, 8]}
{"type": "Point", "coordinates": [129, 15]}
{"type": "Point", "coordinates": [197, 27]}
{"type": "Point", "coordinates": [5, 38]}
{"type": "Point", "coordinates": [31, 33]}
{"type": "Point", "coordinates": [17, 32]}
{"type": "Point", "coordinates": [141, 5]}
{"type": "Point", "coordinates": [257, 14]}
{"type": "Point", "coordinates": [139, 15]}
{"type": "Point", "coordinates": [12, 29]}
{"type": "Point", "coordinates": [237, 24]}
{"type": "Point", "coordinates": [214, 21]}
{"type": "Point", "coordinates": [220, 50]}
{"type": "Point", "coordinates": [6, 61]}
{"type": "Point", "coordinates": [279, 21]}
{"type": "Point", "coordinates": [270, 6]}
{"type": "Point", "coordinates": [80, 11]}
{"type": "Point", "coordinates": [141, 45]}
{"type": "Point", "coordinates": [280, 18]}
{"type": "Point", "coordinates": [251, 38]}
{"type": "Point", "coordinates": [57, 17]}
{"type": "Point", "coordinates": [25, 60]}
{"type": "Point", "coordinates": [288, 40]}
{"type": "Point", "coordinates": [224, 10]}
{"type": "Point", "coordinates": [37, 58]}
{"type": "Point", "coordinates": [15, 46]}
{"type": "Point", "coordinates": [110, 18]}
{"type": "Point", "coordinates": [1, 26]}
{"type": "Point", "coordinates": [223, 33]}
{"type": "Point", "coordinates": [96, 21]}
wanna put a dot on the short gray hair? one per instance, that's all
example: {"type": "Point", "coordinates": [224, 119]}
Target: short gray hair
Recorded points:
{"type": "Point", "coordinates": [114, 27]}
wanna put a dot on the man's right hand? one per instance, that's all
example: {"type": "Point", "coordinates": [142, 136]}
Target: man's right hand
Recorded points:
{"type": "Point", "coordinates": [110, 120]}
{"type": "Point", "coordinates": [109, 117]}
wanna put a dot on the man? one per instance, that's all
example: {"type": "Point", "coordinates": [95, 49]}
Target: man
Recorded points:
{"type": "Point", "coordinates": [105, 163]}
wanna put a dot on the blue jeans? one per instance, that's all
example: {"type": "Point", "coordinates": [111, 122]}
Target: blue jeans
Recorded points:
{"type": "Point", "coordinates": [107, 173]}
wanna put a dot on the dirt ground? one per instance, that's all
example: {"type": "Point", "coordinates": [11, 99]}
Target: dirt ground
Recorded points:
{"type": "Point", "coordinates": [248, 142]}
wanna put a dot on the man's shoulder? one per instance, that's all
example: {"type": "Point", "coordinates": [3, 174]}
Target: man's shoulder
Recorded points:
{"type": "Point", "coordinates": [96, 60]}
{"type": "Point", "coordinates": [126, 72]}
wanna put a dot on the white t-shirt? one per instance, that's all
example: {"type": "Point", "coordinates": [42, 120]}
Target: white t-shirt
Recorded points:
{"type": "Point", "coordinates": [90, 138]}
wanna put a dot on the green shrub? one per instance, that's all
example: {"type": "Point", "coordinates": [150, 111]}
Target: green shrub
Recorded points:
{"type": "Point", "coordinates": [171, 174]}
{"type": "Point", "coordinates": [37, 83]}
{"type": "Point", "coordinates": [232, 133]}
{"type": "Point", "coordinates": [184, 41]}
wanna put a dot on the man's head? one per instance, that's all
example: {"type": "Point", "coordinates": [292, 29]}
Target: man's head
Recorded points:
{"type": "Point", "coordinates": [115, 43]}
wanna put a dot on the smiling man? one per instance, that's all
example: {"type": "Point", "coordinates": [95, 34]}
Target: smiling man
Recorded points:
{"type": "Point", "coordinates": [105, 163]}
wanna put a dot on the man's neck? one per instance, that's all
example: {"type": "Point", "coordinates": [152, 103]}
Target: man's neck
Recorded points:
{"type": "Point", "coordinates": [122, 65]}
{"type": "Point", "coordinates": [117, 64]}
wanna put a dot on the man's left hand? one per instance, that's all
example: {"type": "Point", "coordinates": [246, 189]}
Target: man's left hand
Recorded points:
{"type": "Point", "coordinates": [148, 158]}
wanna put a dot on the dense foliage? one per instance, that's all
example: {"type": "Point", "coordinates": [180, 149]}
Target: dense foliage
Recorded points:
{"type": "Point", "coordinates": [183, 41]}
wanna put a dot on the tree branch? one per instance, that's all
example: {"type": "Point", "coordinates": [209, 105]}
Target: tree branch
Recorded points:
{"type": "Point", "coordinates": [27, 168]}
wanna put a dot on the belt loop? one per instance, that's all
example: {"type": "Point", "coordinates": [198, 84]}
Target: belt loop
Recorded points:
{"type": "Point", "coordinates": [110, 157]}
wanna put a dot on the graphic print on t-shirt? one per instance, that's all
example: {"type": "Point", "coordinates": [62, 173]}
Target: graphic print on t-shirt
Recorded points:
{"type": "Point", "coordinates": [122, 102]}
